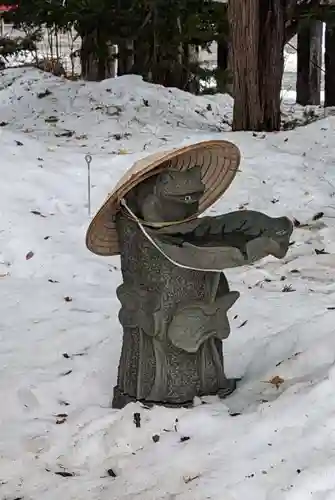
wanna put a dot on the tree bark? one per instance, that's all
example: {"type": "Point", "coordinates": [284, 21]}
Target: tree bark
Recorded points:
{"type": "Point", "coordinates": [191, 80]}
{"type": "Point", "coordinates": [142, 58]}
{"type": "Point", "coordinates": [95, 56]}
{"type": "Point", "coordinates": [330, 66]}
{"type": "Point", "coordinates": [257, 30]}
{"type": "Point", "coordinates": [309, 63]}
{"type": "Point", "coordinates": [167, 69]}
{"type": "Point", "coordinates": [222, 54]}
{"type": "Point", "coordinates": [223, 63]}
{"type": "Point", "coordinates": [126, 57]}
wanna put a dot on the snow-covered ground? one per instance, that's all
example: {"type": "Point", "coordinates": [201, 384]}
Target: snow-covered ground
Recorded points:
{"type": "Point", "coordinates": [274, 439]}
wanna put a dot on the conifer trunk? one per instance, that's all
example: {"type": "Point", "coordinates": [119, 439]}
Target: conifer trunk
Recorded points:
{"type": "Point", "coordinates": [257, 30]}
{"type": "Point", "coordinates": [330, 65]}
{"type": "Point", "coordinates": [95, 56]}
{"type": "Point", "coordinates": [223, 62]}
{"type": "Point", "coordinates": [309, 63]}
{"type": "Point", "coordinates": [126, 57]}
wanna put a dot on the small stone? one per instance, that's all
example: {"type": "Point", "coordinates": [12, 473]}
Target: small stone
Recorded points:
{"type": "Point", "coordinates": [29, 255]}
{"type": "Point", "coordinates": [64, 474]}
{"type": "Point", "coordinates": [137, 420]}
{"type": "Point", "coordinates": [155, 438]}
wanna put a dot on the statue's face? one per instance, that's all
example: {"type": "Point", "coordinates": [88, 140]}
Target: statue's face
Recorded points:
{"type": "Point", "coordinates": [180, 192]}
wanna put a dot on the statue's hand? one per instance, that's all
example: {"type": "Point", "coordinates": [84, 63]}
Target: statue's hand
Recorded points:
{"type": "Point", "coordinates": [231, 240]}
{"type": "Point", "coordinates": [193, 324]}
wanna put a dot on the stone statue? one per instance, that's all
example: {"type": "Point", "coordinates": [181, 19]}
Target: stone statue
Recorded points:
{"type": "Point", "coordinates": [174, 296]}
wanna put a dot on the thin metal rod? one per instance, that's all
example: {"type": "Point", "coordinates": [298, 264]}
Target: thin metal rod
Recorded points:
{"type": "Point", "coordinates": [88, 159]}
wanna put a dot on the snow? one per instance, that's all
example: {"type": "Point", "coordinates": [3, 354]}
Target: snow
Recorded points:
{"type": "Point", "coordinates": [59, 333]}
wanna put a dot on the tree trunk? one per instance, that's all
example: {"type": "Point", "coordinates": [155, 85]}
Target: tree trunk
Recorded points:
{"type": "Point", "coordinates": [222, 67]}
{"type": "Point", "coordinates": [113, 54]}
{"type": "Point", "coordinates": [168, 69]}
{"type": "Point", "coordinates": [168, 56]}
{"type": "Point", "coordinates": [309, 63]}
{"type": "Point", "coordinates": [257, 30]}
{"type": "Point", "coordinates": [191, 80]}
{"type": "Point", "coordinates": [88, 59]}
{"type": "Point", "coordinates": [142, 58]}
{"type": "Point", "coordinates": [330, 66]}
{"type": "Point", "coordinates": [96, 60]}
{"type": "Point", "coordinates": [2, 26]}
{"type": "Point", "coordinates": [126, 57]}
{"type": "Point", "coordinates": [222, 54]}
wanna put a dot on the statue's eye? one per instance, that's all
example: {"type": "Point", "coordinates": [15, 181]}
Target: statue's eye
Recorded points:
{"type": "Point", "coordinates": [188, 197]}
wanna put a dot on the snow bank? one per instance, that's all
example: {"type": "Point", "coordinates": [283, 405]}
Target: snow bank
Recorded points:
{"type": "Point", "coordinates": [59, 333]}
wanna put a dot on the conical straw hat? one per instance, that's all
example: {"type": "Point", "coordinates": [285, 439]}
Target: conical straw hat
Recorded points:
{"type": "Point", "coordinates": [219, 161]}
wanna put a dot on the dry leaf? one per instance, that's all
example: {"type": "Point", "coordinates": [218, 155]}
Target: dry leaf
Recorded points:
{"type": "Point", "coordinates": [277, 381]}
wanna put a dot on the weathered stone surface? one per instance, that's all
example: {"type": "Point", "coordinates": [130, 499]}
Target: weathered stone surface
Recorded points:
{"type": "Point", "coordinates": [174, 318]}
{"type": "Point", "coordinates": [152, 368]}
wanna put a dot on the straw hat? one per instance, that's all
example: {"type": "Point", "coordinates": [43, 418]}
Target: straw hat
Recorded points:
{"type": "Point", "coordinates": [219, 161]}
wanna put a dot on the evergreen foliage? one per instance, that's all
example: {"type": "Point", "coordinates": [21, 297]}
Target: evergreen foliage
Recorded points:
{"type": "Point", "coordinates": [157, 38]}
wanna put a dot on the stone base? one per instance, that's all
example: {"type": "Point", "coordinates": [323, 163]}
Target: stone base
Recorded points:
{"type": "Point", "coordinates": [120, 400]}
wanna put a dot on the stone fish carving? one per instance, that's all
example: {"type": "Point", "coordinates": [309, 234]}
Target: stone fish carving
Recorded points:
{"type": "Point", "coordinates": [174, 296]}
